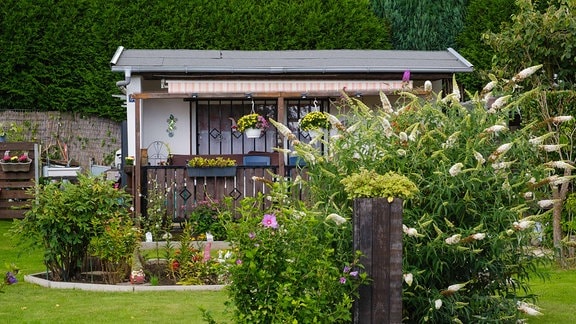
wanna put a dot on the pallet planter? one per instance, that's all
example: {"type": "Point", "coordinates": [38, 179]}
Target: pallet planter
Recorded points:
{"type": "Point", "coordinates": [16, 179]}
{"type": "Point", "coordinates": [211, 172]}
{"type": "Point", "coordinates": [16, 166]}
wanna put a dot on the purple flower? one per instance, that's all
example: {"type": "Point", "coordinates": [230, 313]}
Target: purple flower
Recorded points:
{"type": "Point", "coordinates": [354, 273]}
{"type": "Point", "coordinates": [10, 278]}
{"type": "Point", "coordinates": [342, 280]}
{"type": "Point", "coordinates": [346, 269]}
{"type": "Point", "coordinates": [406, 76]}
{"type": "Point", "coordinates": [251, 235]}
{"type": "Point", "coordinates": [238, 262]}
{"type": "Point", "coordinates": [269, 220]}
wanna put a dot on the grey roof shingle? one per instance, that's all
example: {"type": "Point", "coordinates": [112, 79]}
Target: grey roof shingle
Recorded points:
{"type": "Point", "coordinates": [287, 62]}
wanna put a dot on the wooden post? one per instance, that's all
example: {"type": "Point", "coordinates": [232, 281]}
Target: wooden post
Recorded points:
{"type": "Point", "coordinates": [378, 235]}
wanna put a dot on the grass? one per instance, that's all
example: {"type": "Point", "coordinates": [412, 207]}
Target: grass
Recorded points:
{"type": "Point", "coordinates": [556, 297]}
{"type": "Point", "coordinates": [28, 303]}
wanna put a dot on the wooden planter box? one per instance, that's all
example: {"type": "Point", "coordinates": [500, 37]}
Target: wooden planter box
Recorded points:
{"type": "Point", "coordinates": [15, 167]}
{"type": "Point", "coordinates": [211, 172]}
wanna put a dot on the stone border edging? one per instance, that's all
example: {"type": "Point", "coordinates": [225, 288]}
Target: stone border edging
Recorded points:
{"type": "Point", "coordinates": [120, 288]}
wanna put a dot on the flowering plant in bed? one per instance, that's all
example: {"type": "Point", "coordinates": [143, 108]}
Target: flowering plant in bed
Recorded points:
{"type": "Point", "coordinates": [252, 121]}
{"type": "Point", "coordinates": [205, 217]}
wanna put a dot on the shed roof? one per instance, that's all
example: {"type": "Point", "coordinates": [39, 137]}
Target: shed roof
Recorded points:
{"type": "Point", "coordinates": [287, 62]}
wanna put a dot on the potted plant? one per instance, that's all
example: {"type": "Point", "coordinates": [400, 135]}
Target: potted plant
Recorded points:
{"type": "Point", "coordinates": [252, 125]}
{"type": "Point", "coordinates": [211, 167]}
{"type": "Point", "coordinates": [15, 163]}
{"type": "Point", "coordinates": [315, 121]}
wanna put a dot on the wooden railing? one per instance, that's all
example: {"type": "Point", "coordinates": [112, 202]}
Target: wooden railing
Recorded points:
{"type": "Point", "coordinates": [182, 192]}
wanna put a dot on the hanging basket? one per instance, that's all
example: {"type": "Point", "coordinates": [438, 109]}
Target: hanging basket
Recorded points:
{"type": "Point", "coordinates": [16, 166]}
{"type": "Point", "coordinates": [252, 132]}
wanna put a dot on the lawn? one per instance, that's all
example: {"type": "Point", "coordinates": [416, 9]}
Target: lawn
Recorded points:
{"type": "Point", "coordinates": [28, 303]}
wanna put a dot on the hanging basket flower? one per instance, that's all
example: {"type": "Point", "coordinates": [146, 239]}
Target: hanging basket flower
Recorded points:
{"type": "Point", "coordinates": [252, 125]}
{"type": "Point", "coordinates": [315, 120]}
{"type": "Point", "coordinates": [15, 163]}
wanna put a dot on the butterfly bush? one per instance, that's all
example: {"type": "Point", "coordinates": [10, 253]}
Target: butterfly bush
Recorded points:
{"type": "Point", "coordinates": [467, 231]}
{"type": "Point", "coordinates": [481, 187]}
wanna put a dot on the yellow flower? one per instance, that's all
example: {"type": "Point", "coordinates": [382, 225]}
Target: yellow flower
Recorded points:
{"type": "Point", "coordinates": [314, 120]}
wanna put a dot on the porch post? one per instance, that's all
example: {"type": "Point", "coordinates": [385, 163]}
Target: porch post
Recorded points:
{"type": "Point", "coordinates": [137, 162]}
{"type": "Point", "coordinates": [280, 139]}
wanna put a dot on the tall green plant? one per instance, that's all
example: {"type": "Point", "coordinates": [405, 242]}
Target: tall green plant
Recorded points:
{"type": "Point", "coordinates": [482, 187]}
{"type": "Point", "coordinates": [66, 216]}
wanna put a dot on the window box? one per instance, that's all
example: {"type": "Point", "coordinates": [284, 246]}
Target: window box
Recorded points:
{"type": "Point", "coordinates": [211, 172]}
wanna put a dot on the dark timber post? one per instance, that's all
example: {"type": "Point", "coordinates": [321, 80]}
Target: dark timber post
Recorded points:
{"type": "Point", "coordinates": [378, 235]}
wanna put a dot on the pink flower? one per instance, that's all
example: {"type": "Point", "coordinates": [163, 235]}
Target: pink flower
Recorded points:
{"type": "Point", "coordinates": [269, 220]}
{"type": "Point", "coordinates": [251, 235]}
{"type": "Point", "coordinates": [342, 280]}
{"type": "Point", "coordinates": [238, 262]}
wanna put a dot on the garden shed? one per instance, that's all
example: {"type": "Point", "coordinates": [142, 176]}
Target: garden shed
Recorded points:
{"type": "Point", "coordinates": [184, 103]}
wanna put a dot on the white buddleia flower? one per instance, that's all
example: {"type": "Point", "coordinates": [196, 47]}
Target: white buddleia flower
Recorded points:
{"type": "Point", "coordinates": [403, 137]}
{"type": "Point", "coordinates": [479, 236]}
{"type": "Point", "coordinates": [546, 203]}
{"type": "Point", "coordinates": [526, 73]}
{"type": "Point", "coordinates": [560, 165]}
{"type": "Point", "coordinates": [479, 157]}
{"type": "Point", "coordinates": [500, 102]}
{"type": "Point", "coordinates": [528, 309]}
{"type": "Point", "coordinates": [410, 231]}
{"type": "Point", "coordinates": [540, 139]}
{"type": "Point", "coordinates": [454, 239]}
{"type": "Point", "coordinates": [456, 169]}
{"type": "Point", "coordinates": [438, 303]}
{"type": "Point", "coordinates": [495, 129]}
{"type": "Point", "coordinates": [552, 147]}
{"type": "Point", "coordinates": [522, 225]}
{"type": "Point", "coordinates": [560, 119]}
{"type": "Point", "coordinates": [408, 278]}
{"type": "Point", "coordinates": [339, 220]}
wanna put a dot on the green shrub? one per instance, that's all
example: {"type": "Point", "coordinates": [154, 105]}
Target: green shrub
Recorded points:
{"type": "Point", "coordinates": [66, 216]}
{"type": "Point", "coordinates": [293, 264]}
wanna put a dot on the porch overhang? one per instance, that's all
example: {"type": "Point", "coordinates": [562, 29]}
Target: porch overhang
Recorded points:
{"type": "Point", "coordinates": [280, 88]}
